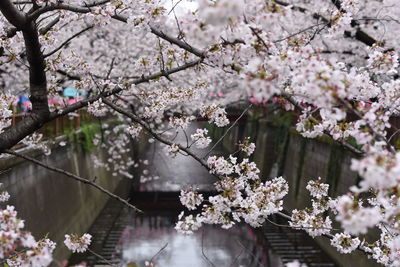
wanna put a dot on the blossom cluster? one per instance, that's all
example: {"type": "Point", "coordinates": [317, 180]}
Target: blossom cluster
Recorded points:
{"type": "Point", "coordinates": [313, 220]}
{"type": "Point", "coordinates": [172, 150]}
{"type": "Point", "coordinates": [345, 243]}
{"type": "Point", "coordinates": [247, 147]}
{"type": "Point", "coordinates": [355, 217]}
{"type": "Point", "coordinates": [77, 243]}
{"type": "Point", "coordinates": [180, 122]}
{"type": "Point", "coordinates": [19, 247]}
{"type": "Point", "coordinates": [35, 141]}
{"type": "Point", "coordinates": [5, 111]}
{"type": "Point", "coordinates": [242, 196]}
{"type": "Point", "coordinates": [97, 108]}
{"type": "Point", "coordinates": [134, 130]}
{"type": "Point", "coordinates": [188, 224]}
{"type": "Point", "coordinates": [317, 189]}
{"type": "Point", "coordinates": [215, 114]}
{"type": "Point", "coordinates": [200, 138]}
{"type": "Point", "coordinates": [4, 195]}
{"type": "Point", "coordinates": [191, 199]}
{"type": "Point", "coordinates": [321, 67]}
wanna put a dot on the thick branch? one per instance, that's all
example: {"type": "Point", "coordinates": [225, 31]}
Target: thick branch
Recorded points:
{"type": "Point", "coordinates": [37, 74]}
{"type": "Point", "coordinates": [61, 6]}
{"type": "Point", "coordinates": [177, 42]}
{"type": "Point", "coordinates": [37, 79]}
{"type": "Point", "coordinates": [50, 25]}
{"type": "Point", "coordinates": [33, 122]}
{"type": "Point", "coordinates": [73, 176]}
{"type": "Point", "coordinates": [12, 14]}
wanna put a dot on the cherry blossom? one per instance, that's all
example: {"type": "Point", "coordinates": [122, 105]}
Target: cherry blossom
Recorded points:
{"type": "Point", "coordinates": [345, 243]}
{"type": "Point", "coordinates": [188, 224]}
{"type": "Point", "coordinates": [200, 139]}
{"type": "Point", "coordinates": [76, 243]}
{"type": "Point", "coordinates": [337, 70]}
{"type": "Point", "coordinates": [191, 199]}
{"type": "Point", "coordinates": [172, 150]}
{"type": "Point", "coordinates": [247, 147]}
{"type": "Point", "coordinates": [134, 130]}
{"type": "Point", "coordinates": [97, 108]}
{"type": "Point", "coordinates": [215, 114]}
{"type": "Point", "coordinates": [317, 189]}
{"type": "Point", "coordinates": [4, 195]}
{"type": "Point", "coordinates": [354, 217]}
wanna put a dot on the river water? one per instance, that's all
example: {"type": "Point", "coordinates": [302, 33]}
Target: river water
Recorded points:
{"type": "Point", "coordinates": [125, 237]}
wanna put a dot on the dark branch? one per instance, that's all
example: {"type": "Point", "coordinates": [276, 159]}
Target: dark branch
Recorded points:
{"type": "Point", "coordinates": [152, 133]}
{"type": "Point", "coordinates": [73, 176]}
{"type": "Point", "coordinates": [118, 89]}
{"type": "Point", "coordinates": [12, 14]}
{"type": "Point", "coordinates": [360, 34]}
{"type": "Point", "coordinates": [61, 6]}
{"type": "Point", "coordinates": [67, 41]}
{"type": "Point", "coordinates": [48, 27]}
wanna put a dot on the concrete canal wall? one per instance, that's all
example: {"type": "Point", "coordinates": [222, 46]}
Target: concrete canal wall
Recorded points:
{"type": "Point", "coordinates": [280, 151]}
{"type": "Point", "coordinates": [53, 204]}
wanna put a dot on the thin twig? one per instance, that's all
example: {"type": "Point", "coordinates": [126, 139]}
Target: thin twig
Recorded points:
{"type": "Point", "coordinates": [227, 131]}
{"type": "Point", "coordinates": [187, 138]}
{"type": "Point", "coordinates": [158, 253]}
{"type": "Point", "coordinates": [152, 133]}
{"type": "Point", "coordinates": [396, 132]}
{"type": "Point", "coordinates": [173, 8]}
{"type": "Point", "coordinates": [101, 257]}
{"type": "Point", "coordinates": [110, 69]}
{"type": "Point", "coordinates": [73, 176]}
{"type": "Point", "coordinates": [300, 227]}
{"type": "Point", "coordinates": [299, 32]}
{"type": "Point", "coordinates": [67, 41]}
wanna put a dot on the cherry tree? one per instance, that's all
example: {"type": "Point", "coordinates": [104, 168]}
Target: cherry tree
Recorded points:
{"type": "Point", "coordinates": [335, 62]}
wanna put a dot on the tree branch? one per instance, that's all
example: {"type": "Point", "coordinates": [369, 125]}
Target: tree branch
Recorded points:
{"type": "Point", "coordinates": [152, 133]}
{"type": "Point", "coordinates": [360, 35]}
{"type": "Point", "coordinates": [86, 9]}
{"type": "Point", "coordinates": [12, 14]}
{"type": "Point", "coordinates": [33, 122]}
{"type": "Point", "coordinates": [343, 143]}
{"type": "Point", "coordinates": [50, 25]}
{"type": "Point", "coordinates": [177, 42]}
{"type": "Point", "coordinates": [119, 89]}
{"type": "Point", "coordinates": [37, 78]}
{"type": "Point", "coordinates": [68, 40]}
{"type": "Point", "coordinates": [227, 131]}
{"type": "Point", "coordinates": [61, 6]}
{"type": "Point", "coordinates": [73, 176]}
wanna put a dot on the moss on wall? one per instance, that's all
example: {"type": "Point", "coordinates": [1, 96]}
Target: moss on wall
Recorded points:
{"type": "Point", "coordinates": [83, 138]}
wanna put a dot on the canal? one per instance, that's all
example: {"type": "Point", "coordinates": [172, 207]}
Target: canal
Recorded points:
{"type": "Point", "coordinates": [123, 237]}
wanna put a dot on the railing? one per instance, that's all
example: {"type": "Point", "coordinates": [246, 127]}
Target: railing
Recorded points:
{"type": "Point", "coordinates": [59, 126]}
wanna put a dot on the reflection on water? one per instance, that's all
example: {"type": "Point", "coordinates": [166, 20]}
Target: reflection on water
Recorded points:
{"type": "Point", "coordinates": [154, 236]}
{"type": "Point", "coordinates": [151, 236]}
{"type": "Point", "coordinates": [210, 246]}
{"type": "Point", "coordinates": [173, 174]}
